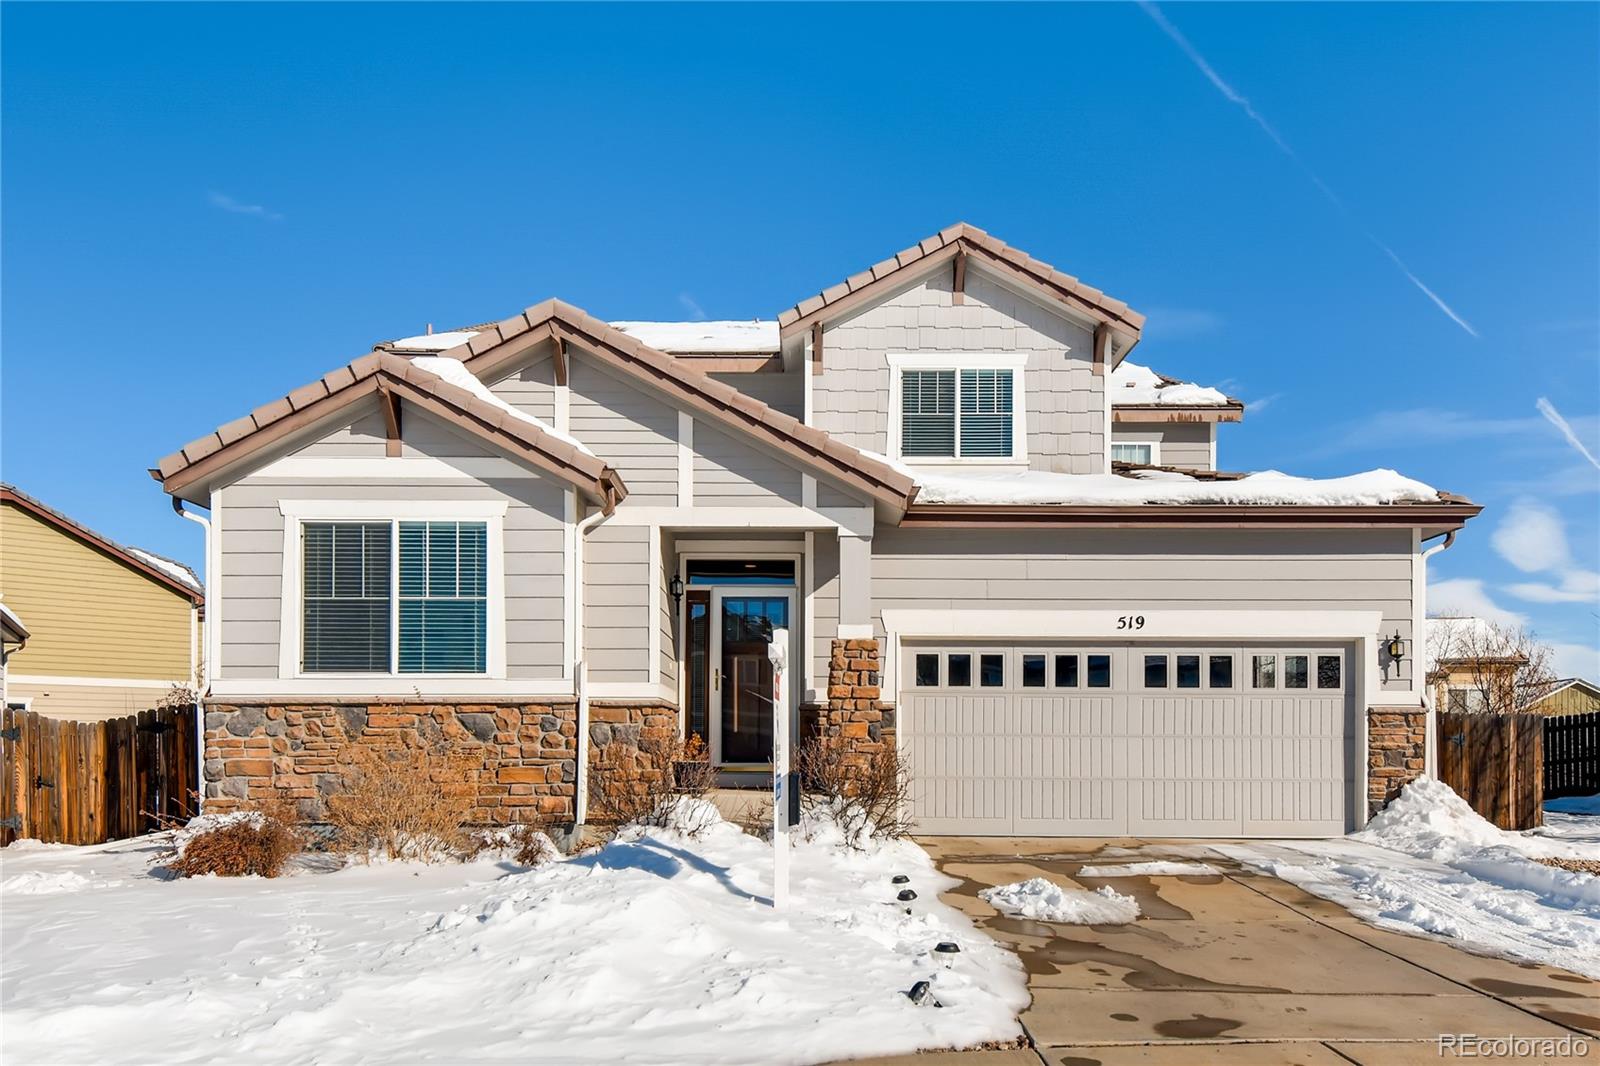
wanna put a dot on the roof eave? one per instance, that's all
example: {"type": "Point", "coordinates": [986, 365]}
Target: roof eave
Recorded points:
{"type": "Point", "coordinates": [1170, 412]}
{"type": "Point", "coordinates": [1440, 518]}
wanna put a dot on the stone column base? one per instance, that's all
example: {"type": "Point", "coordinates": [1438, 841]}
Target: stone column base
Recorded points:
{"type": "Point", "coordinates": [1397, 740]}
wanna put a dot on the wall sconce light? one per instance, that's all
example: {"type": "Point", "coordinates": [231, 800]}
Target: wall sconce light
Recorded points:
{"type": "Point", "coordinates": [675, 587]}
{"type": "Point", "coordinates": [1396, 648]}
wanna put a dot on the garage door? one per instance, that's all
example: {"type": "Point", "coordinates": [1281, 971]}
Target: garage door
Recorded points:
{"type": "Point", "coordinates": [1140, 740]}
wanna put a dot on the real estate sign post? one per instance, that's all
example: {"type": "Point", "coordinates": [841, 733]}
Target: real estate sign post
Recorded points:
{"type": "Point", "coordinates": [778, 653]}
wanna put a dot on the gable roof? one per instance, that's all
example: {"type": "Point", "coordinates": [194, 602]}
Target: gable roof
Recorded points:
{"type": "Point", "coordinates": [508, 341]}
{"type": "Point", "coordinates": [383, 373]}
{"type": "Point", "coordinates": [168, 572]}
{"type": "Point", "coordinates": [1562, 684]}
{"type": "Point", "coordinates": [963, 239]}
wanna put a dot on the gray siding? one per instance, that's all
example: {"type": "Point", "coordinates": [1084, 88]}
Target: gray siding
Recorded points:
{"type": "Point", "coordinates": [824, 607]}
{"type": "Point", "coordinates": [1065, 400]}
{"type": "Point", "coordinates": [729, 472]}
{"type": "Point", "coordinates": [616, 616]}
{"type": "Point", "coordinates": [1131, 570]}
{"type": "Point", "coordinates": [633, 431]}
{"type": "Point", "coordinates": [668, 618]}
{"type": "Point", "coordinates": [781, 392]}
{"type": "Point", "coordinates": [1186, 444]}
{"type": "Point", "coordinates": [252, 549]}
{"type": "Point", "coordinates": [531, 388]}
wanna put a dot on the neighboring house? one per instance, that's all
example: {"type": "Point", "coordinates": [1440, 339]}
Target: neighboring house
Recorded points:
{"type": "Point", "coordinates": [113, 628]}
{"type": "Point", "coordinates": [549, 538]}
{"type": "Point", "coordinates": [1567, 695]}
{"type": "Point", "coordinates": [1474, 666]}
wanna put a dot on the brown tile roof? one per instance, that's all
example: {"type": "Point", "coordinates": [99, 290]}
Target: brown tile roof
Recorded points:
{"type": "Point", "coordinates": [1085, 299]}
{"type": "Point", "coordinates": [494, 347]}
{"type": "Point", "coordinates": [190, 590]}
{"type": "Point", "coordinates": [367, 376]}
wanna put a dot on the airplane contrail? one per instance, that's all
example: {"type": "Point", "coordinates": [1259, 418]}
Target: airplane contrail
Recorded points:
{"type": "Point", "coordinates": [1235, 97]}
{"type": "Point", "coordinates": [1553, 416]}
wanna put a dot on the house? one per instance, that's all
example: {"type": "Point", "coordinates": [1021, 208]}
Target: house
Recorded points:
{"type": "Point", "coordinates": [1566, 695]}
{"type": "Point", "coordinates": [994, 544]}
{"type": "Point", "coordinates": [110, 629]}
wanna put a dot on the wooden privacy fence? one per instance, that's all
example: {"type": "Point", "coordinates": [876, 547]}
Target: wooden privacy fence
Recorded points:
{"type": "Point", "coordinates": [1572, 755]}
{"type": "Point", "coordinates": [1496, 763]}
{"type": "Point", "coordinates": [87, 782]}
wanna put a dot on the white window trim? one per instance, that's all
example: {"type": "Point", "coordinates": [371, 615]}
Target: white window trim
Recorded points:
{"type": "Point", "coordinates": [1150, 440]}
{"type": "Point", "coordinates": [1016, 362]}
{"type": "Point", "coordinates": [297, 512]}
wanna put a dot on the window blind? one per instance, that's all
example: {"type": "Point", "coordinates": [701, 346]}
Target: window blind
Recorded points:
{"type": "Point", "coordinates": [986, 413]}
{"type": "Point", "coordinates": [444, 577]}
{"type": "Point", "coordinates": [928, 412]}
{"type": "Point", "coordinates": [346, 597]}
{"type": "Point", "coordinates": [1131, 453]}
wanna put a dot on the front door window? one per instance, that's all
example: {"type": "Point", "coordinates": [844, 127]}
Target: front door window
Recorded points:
{"type": "Point", "coordinates": [747, 620]}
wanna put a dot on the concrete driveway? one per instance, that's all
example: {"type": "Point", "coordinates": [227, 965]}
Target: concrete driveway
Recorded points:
{"type": "Point", "coordinates": [1240, 968]}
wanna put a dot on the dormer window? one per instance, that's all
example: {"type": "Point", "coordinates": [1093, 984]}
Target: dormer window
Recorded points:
{"type": "Point", "coordinates": [946, 409]}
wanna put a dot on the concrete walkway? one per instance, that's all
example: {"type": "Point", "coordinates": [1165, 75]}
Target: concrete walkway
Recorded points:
{"type": "Point", "coordinates": [1241, 968]}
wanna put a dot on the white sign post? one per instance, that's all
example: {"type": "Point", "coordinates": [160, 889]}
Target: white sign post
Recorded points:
{"type": "Point", "coordinates": [778, 653]}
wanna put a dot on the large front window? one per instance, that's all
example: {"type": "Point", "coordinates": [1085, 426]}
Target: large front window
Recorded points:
{"type": "Point", "coordinates": [958, 413]}
{"type": "Point", "coordinates": [368, 610]}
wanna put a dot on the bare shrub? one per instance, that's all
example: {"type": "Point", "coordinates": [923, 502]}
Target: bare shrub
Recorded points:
{"type": "Point", "coordinates": [1484, 667]}
{"type": "Point", "coordinates": [257, 841]}
{"type": "Point", "coordinates": [403, 803]}
{"type": "Point", "coordinates": [867, 796]}
{"type": "Point", "coordinates": [531, 845]}
{"type": "Point", "coordinates": [670, 792]}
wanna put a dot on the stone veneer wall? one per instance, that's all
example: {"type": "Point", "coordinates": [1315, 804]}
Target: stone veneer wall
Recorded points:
{"type": "Point", "coordinates": [854, 712]}
{"type": "Point", "coordinates": [1397, 739]}
{"type": "Point", "coordinates": [520, 757]}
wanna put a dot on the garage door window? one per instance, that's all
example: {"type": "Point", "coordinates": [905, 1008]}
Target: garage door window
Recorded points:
{"type": "Point", "coordinates": [1296, 671]}
{"type": "Point", "coordinates": [1155, 671]}
{"type": "Point", "coordinates": [1221, 672]}
{"type": "Point", "coordinates": [991, 671]}
{"type": "Point", "coordinates": [1033, 675]}
{"type": "Point", "coordinates": [1098, 667]}
{"type": "Point", "coordinates": [927, 671]}
{"type": "Point", "coordinates": [959, 671]}
{"type": "Point", "coordinates": [1328, 671]}
{"type": "Point", "coordinates": [1066, 671]}
{"type": "Point", "coordinates": [1188, 671]}
{"type": "Point", "coordinates": [1264, 671]}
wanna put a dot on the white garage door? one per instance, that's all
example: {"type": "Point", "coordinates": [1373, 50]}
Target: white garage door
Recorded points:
{"type": "Point", "coordinates": [1141, 740]}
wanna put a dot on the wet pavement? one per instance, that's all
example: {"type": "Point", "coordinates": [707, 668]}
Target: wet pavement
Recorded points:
{"type": "Point", "coordinates": [1239, 968]}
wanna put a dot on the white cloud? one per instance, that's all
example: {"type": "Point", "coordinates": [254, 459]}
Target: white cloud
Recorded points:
{"type": "Point", "coordinates": [1257, 406]}
{"type": "Point", "coordinates": [1531, 538]}
{"type": "Point", "coordinates": [1553, 416]}
{"type": "Point", "coordinates": [689, 305]}
{"type": "Point", "coordinates": [1568, 592]}
{"type": "Point", "coordinates": [1467, 596]}
{"type": "Point", "coordinates": [224, 202]}
{"type": "Point", "coordinates": [1575, 660]}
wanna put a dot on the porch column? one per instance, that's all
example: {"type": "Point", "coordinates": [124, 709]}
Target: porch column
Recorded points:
{"type": "Point", "coordinates": [855, 717]}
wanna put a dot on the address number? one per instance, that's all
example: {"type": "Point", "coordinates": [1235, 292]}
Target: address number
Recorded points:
{"type": "Point", "coordinates": [1130, 621]}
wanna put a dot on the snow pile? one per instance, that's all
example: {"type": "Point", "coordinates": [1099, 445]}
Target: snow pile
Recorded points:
{"type": "Point", "coordinates": [659, 948]}
{"type": "Point", "coordinates": [41, 882]}
{"type": "Point", "coordinates": [1047, 901]}
{"type": "Point", "coordinates": [1589, 805]}
{"type": "Point", "coordinates": [171, 567]}
{"type": "Point", "coordinates": [1134, 384]}
{"type": "Point", "coordinates": [746, 336]}
{"type": "Point", "coordinates": [456, 373]}
{"type": "Point", "coordinates": [435, 342]}
{"type": "Point", "coordinates": [1152, 869]}
{"type": "Point", "coordinates": [1430, 864]}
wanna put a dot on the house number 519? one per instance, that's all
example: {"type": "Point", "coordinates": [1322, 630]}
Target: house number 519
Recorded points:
{"type": "Point", "coordinates": [1130, 621]}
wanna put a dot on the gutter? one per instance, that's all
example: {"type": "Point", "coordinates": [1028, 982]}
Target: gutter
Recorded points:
{"type": "Point", "coordinates": [580, 674]}
{"type": "Point", "coordinates": [205, 659]}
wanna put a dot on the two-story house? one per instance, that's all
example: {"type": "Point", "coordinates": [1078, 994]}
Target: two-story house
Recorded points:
{"type": "Point", "coordinates": [993, 542]}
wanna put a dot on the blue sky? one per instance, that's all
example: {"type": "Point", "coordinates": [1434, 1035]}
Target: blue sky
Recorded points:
{"type": "Point", "coordinates": [205, 207]}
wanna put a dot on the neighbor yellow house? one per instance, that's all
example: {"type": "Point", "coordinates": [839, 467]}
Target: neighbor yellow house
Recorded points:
{"type": "Point", "coordinates": [110, 629]}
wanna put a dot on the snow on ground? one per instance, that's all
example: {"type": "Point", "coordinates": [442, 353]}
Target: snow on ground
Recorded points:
{"type": "Point", "coordinates": [456, 373]}
{"type": "Point", "coordinates": [1047, 901]}
{"type": "Point", "coordinates": [1429, 864]}
{"type": "Point", "coordinates": [1574, 805]}
{"type": "Point", "coordinates": [657, 949]}
{"type": "Point", "coordinates": [1152, 869]}
{"type": "Point", "coordinates": [1134, 384]}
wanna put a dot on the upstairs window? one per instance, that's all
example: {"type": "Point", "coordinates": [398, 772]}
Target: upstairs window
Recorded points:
{"type": "Point", "coordinates": [960, 412]}
{"type": "Point", "coordinates": [1143, 453]}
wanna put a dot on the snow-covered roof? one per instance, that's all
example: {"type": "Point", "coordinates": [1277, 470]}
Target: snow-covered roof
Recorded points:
{"type": "Point", "coordinates": [434, 342]}
{"type": "Point", "coordinates": [171, 567]}
{"type": "Point", "coordinates": [1134, 385]}
{"type": "Point", "coordinates": [456, 373]}
{"type": "Point", "coordinates": [752, 335]}
{"type": "Point", "coordinates": [12, 621]}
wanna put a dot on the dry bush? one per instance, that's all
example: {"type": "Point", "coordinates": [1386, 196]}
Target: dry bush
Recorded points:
{"type": "Point", "coordinates": [403, 803]}
{"type": "Point", "coordinates": [672, 793]}
{"type": "Point", "coordinates": [531, 845]}
{"type": "Point", "coordinates": [868, 797]}
{"type": "Point", "coordinates": [257, 843]}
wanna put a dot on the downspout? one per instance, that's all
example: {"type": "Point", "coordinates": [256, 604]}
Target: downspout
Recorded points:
{"type": "Point", "coordinates": [205, 660]}
{"type": "Point", "coordinates": [1430, 754]}
{"type": "Point", "coordinates": [580, 674]}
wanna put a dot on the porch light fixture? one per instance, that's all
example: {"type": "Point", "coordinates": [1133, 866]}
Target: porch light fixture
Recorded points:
{"type": "Point", "coordinates": [1396, 647]}
{"type": "Point", "coordinates": [675, 587]}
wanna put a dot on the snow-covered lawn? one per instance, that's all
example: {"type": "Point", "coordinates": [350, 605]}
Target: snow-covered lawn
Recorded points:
{"type": "Point", "coordinates": [658, 949]}
{"type": "Point", "coordinates": [1430, 864]}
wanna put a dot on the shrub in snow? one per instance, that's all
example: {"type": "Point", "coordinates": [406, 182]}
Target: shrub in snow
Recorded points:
{"type": "Point", "coordinates": [1047, 901]}
{"type": "Point", "coordinates": [866, 798]}
{"type": "Point", "coordinates": [526, 844]}
{"type": "Point", "coordinates": [404, 803]}
{"type": "Point", "coordinates": [255, 843]}
{"type": "Point", "coordinates": [668, 792]}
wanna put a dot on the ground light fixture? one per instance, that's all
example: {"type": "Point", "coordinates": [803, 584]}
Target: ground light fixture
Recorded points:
{"type": "Point", "coordinates": [1396, 647]}
{"type": "Point", "coordinates": [907, 895]}
{"type": "Point", "coordinates": [922, 995]}
{"type": "Point", "coordinates": [947, 950]}
{"type": "Point", "coordinates": [899, 879]}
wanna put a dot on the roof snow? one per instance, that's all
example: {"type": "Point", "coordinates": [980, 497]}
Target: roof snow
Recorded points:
{"type": "Point", "coordinates": [434, 342]}
{"type": "Point", "coordinates": [12, 620]}
{"type": "Point", "coordinates": [456, 373]}
{"type": "Point", "coordinates": [745, 336]}
{"type": "Point", "coordinates": [171, 567]}
{"type": "Point", "coordinates": [1134, 385]}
